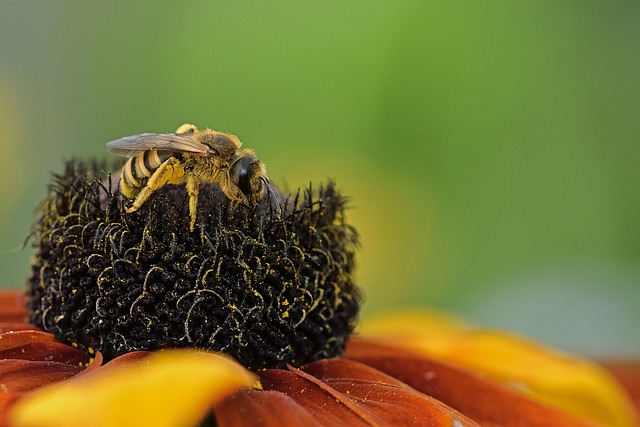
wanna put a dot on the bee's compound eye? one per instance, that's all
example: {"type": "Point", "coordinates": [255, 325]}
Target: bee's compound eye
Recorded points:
{"type": "Point", "coordinates": [243, 169]}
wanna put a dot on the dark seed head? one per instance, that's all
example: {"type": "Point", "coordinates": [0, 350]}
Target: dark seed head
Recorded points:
{"type": "Point", "coordinates": [268, 286]}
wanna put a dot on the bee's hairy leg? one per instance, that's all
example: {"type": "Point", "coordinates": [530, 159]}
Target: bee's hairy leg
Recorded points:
{"type": "Point", "coordinates": [233, 193]}
{"type": "Point", "coordinates": [193, 186]}
{"type": "Point", "coordinates": [231, 190]}
{"type": "Point", "coordinates": [160, 177]}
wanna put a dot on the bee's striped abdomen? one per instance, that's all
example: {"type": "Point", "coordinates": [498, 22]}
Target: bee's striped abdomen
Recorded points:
{"type": "Point", "coordinates": [138, 169]}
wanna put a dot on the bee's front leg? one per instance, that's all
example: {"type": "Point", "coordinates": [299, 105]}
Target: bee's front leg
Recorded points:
{"type": "Point", "coordinates": [168, 172]}
{"type": "Point", "coordinates": [193, 186]}
{"type": "Point", "coordinates": [232, 191]}
{"type": "Point", "coordinates": [236, 195]}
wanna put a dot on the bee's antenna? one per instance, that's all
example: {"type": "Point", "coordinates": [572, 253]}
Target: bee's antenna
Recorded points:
{"type": "Point", "coordinates": [272, 194]}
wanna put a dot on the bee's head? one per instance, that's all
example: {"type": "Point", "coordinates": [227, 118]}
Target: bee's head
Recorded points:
{"type": "Point", "coordinates": [250, 175]}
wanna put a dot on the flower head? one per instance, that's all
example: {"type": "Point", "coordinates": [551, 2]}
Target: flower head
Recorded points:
{"type": "Point", "coordinates": [268, 287]}
{"type": "Point", "coordinates": [273, 289]}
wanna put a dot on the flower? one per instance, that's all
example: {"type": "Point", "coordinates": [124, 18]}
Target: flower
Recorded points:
{"type": "Point", "coordinates": [268, 287]}
{"type": "Point", "coordinates": [373, 383]}
{"type": "Point", "coordinates": [135, 319]}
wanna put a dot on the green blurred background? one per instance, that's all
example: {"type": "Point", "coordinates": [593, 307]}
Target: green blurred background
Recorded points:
{"type": "Point", "coordinates": [491, 149]}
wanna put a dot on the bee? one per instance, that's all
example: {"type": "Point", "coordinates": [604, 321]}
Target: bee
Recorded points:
{"type": "Point", "coordinates": [192, 157]}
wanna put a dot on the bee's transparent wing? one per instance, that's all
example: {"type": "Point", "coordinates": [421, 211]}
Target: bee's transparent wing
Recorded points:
{"type": "Point", "coordinates": [130, 146]}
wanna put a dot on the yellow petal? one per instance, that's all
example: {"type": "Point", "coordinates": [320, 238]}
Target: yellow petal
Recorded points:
{"type": "Point", "coordinates": [167, 389]}
{"type": "Point", "coordinates": [566, 382]}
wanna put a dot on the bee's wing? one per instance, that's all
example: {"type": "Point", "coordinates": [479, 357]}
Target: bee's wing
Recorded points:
{"type": "Point", "coordinates": [130, 146]}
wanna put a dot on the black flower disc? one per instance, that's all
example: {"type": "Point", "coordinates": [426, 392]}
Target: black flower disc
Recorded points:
{"type": "Point", "coordinates": [268, 286]}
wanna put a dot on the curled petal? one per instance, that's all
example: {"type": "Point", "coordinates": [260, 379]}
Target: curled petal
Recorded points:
{"type": "Point", "coordinates": [119, 362]}
{"type": "Point", "coordinates": [140, 392]}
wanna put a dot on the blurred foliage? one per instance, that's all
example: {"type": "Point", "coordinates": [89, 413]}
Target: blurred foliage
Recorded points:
{"type": "Point", "coordinates": [491, 148]}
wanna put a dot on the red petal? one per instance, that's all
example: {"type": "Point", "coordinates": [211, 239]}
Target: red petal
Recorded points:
{"type": "Point", "coordinates": [37, 345]}
{"type": "Point", "coordinates": [17, 338]}
{"type": "Point", "coordinates": [262, 408]}
{"type": "Point", "coordinates": [30, 359]}
{"type": "Point", "coordinates": [25, 375]}
{"type": "Point", "coordinates": [47, 351]}
{"type": "Point", "coordinates": [323, 406]}
{"type": "Point", "coordinates": [22, 376]}
{"type": "Point", "coordinates": [353, 395]}
{"type": "Point", "coordinates": [16, 326]}
{"type": "Point", "coordinates": [481, 399]}
{"type": "Point", "coordinates": [628, 374]}
{"type": "Point", "coordinates": [368, 390]}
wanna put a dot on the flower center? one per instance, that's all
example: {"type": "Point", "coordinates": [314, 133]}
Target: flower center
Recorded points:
{"type": "Point", "coordinates": [268, 286]}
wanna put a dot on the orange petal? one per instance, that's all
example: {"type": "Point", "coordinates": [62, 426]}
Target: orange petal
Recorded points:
{"type": "Point", "coordinates": [327, 411]}
{"type": "Point", "coordinates": [345, 393]}
{"type": "Point", "coordinates": [17, 338]}
{"type": "Point", "coordinates": [32, 359]}
{"type": "Point", "coordinates": [21, 376]}
{"type": "Point", "coordinates": [262, 408]}
{"type": "Point", "coordinates": [382, 397]}
{"type": "Point", "coordinates": [627, 372]}
{"type": "Point", "coordinates": [166, 389]}
{"type": "Point", "coordinates": [481, 399]}
{"type": "Point", "coordinates": [569, 383]}
{"type": "Point", "coordinates": [37, 345]}
{"type": "Point", "coordinates": [16, 326]}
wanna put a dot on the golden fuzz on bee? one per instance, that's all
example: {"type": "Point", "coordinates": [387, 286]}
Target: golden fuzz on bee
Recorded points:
{"type": "Point", "coordinates": [191, 157]}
